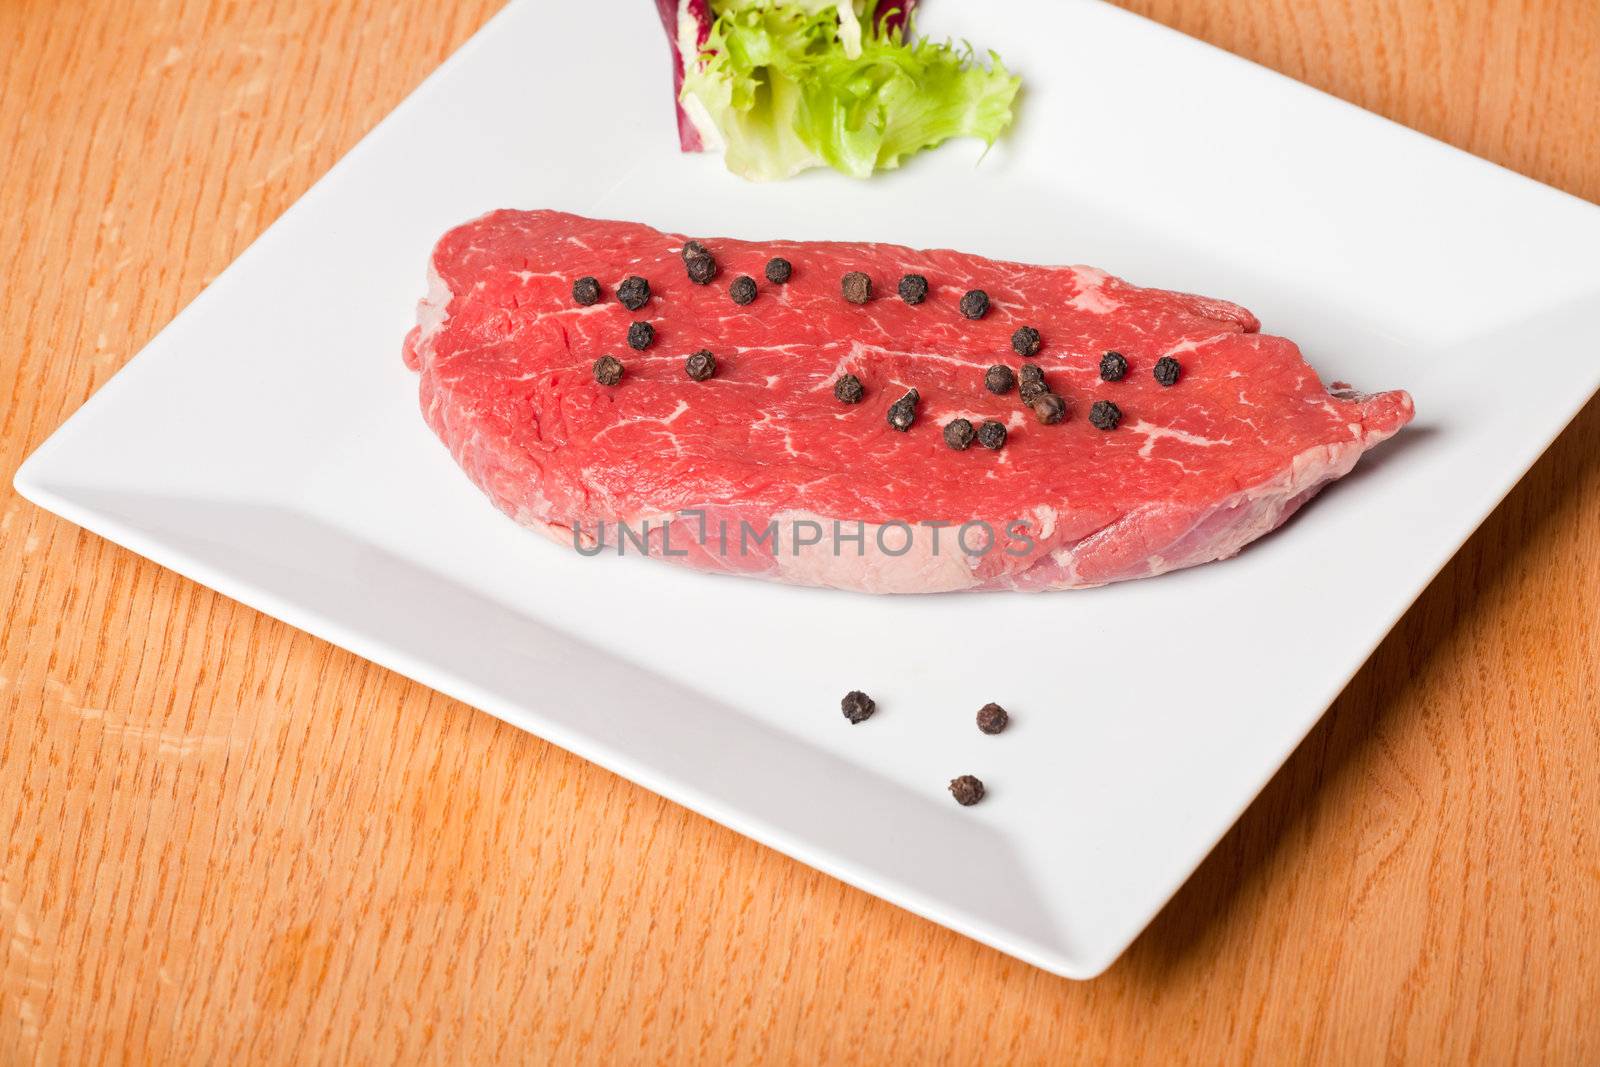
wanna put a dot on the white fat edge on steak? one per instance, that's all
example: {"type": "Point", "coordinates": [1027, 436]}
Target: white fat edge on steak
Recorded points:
{"type": "Point", "coordinates": [922, 568]}
{"type": "Point", "coordinates": [433, 310]}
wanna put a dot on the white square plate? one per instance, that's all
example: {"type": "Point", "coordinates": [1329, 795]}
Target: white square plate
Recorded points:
{"type": "Point", "coordinates": [268, 444]}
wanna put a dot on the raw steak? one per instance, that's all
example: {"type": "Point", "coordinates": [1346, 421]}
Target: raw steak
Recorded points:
{"type": "Point", "coordinates": [1193, 473]}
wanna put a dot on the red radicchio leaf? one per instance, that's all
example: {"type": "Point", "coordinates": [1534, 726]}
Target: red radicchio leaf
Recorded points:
{"type": "Point", "coordinates": [671, 11]}
{"type": "Point", "coordinates": [895, 18]}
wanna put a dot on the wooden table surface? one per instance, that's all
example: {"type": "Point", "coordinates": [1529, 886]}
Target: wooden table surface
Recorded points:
{"type": "Point", "coordinates": [223, 841]}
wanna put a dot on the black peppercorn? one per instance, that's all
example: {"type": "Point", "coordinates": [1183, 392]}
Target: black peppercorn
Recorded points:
{"type": "Point", "coordinates": [857, 706]}
{"type": "Point", "coordinates": [913, 289]}
{"type": "Point", "coordinates": [1025, 341]}
{"type": "Point", "coordinates": [903, 412]}
{"type": "Point", "coordinates": [958, 434]}
{"type": "Point", "coordinates": [778, 270]}
{"type": "Point", "coordinates": [992, 718]}
{"type": "Point", "coordinates": [743, 289]}
{"type": "Point", "coordinates": [1167, 371]}
{"type": "Point", "coordinates": [967, 790]}
{"type": "Point", "coordinates": [999, 379]}
{"type": "Point", "coordinates": [633, 292]}
{"type": "Point", "coordinates": [701, 269]}
{"type": "Point", "coordinates": [701, 365]}
{"type": "Point", "coordinates": [608, 370]}
{"type": "Point", "coordinates": [694, 248]}
{"type": "Point", "coordinates": [1033, 386]}
{"type": "Point", "coordinates": [857, 287]}
{"type": "Point", "coordinates": [640, 334]}
{"type": "Point", "coordinates": [1104, 415]}
{"type": "Point", "coordinates": [1112, 367]}
{"type": "Point", "coordinates": [975, 305]}
{"type": "Point", "coordinates": [1048, 408]}
{"type": "Point", "coordinates": [586, 290]}
{"type": "Point", "coordinates": [992, 434]}
{"type": "Point", "coordinates": [848, 390]}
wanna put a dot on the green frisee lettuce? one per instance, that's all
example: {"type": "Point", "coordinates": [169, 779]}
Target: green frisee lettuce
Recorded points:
{"type": "Point", "coordinates": [806, 83]}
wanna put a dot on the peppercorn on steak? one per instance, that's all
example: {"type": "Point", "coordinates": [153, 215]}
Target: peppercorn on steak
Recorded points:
{"type": "Point", "coordinates": [866, 416]}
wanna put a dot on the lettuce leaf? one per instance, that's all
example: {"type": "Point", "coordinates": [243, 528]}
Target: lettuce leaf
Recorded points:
{"type": "Point", "coordinates": [793, 84]}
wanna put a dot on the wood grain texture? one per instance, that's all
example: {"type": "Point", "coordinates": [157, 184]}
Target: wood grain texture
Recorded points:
{"type": "Point", "coordinates": [222, 841]}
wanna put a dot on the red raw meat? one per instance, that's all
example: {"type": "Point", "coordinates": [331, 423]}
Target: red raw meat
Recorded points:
{"type": "Point", "coordinates": [1194, 472]}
